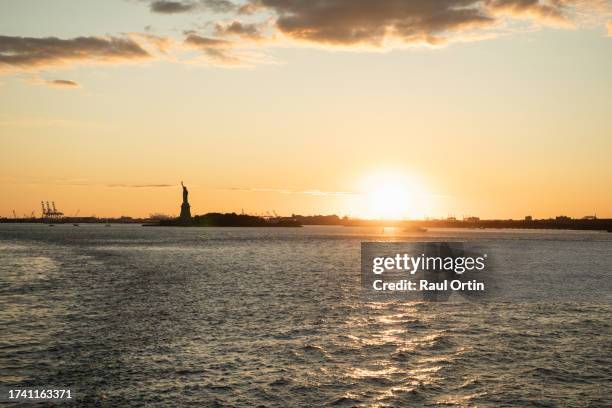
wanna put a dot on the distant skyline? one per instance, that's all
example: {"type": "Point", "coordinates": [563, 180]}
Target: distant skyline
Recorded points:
{"type": "Point", "coordinates": [496, 108]}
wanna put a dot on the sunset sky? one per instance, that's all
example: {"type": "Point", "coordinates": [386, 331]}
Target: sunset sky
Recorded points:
{"type": "Point", "coordinates": [494, 108]}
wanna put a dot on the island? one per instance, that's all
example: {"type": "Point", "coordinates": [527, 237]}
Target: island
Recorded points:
{"type": "Point", "coordinates": [220, 219]}
{"type": "Point", "coordinates": [226, 220]}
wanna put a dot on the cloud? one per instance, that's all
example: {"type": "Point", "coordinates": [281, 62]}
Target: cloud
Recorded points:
{"type": "Point", "coordinates": [374, 23]}
{"type": "Point", "coordinates": [141, 185]}
{"type": "Point", "coordinates": [151, 42]}
{"type": "Point", "coordinates": [79, 183]}
{"type": "Point", "coordinates": [62, 83]}
{"type": "Point", "coordinates": [217, 49]}
{"type": "Point", "coordinates": [237, 28]}
{"type": "Point", "coordinates": [609, 26]}
{"type": "Point", "coordinates": [205, 42]}
{"type": "Point", "coordinates": [554, 11]}
{"type": "Point", "coordinates": [318, 193]}
{"type": "Point", "coordinates": [219, 6]}
{"type": "Point", "coordinates": [174, 7]}
{"type": "Point", "coordinates": [248, 8]}
{"type": "Point", "coordinates": [54, 83]}
{"type": "Point", "coordinates": [383, 23]}
{"type": "Point", "coordinates": [346, 23]}
{"type": "Point", "coordinates": [18, 53]}
{"type": "Point", "coordinates": [171, 7]}
{"type": "Point", "coordinates": [228, 53]}
{"type": "Point", "coordinates": [352, 22]}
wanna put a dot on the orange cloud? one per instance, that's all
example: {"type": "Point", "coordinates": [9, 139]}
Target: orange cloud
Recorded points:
{"type": "Point", "coordinates": [555, 11]}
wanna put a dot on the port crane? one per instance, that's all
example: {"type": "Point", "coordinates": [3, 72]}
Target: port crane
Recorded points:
{"type": "Point", "coordinates": [50, 211]}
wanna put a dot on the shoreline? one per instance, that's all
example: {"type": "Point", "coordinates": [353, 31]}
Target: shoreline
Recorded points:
{"type": "Point", "coordinates": [277, 225]}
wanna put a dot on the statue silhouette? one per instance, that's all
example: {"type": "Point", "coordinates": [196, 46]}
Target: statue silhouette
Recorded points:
{"type": "Point", "coordinates": [185, 207]}
{"type": "Point", "coordinates": [185, 193]}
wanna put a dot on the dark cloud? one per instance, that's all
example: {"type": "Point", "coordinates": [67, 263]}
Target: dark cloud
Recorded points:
{"type": "Point", "coordinates": [63, 83]}
{"type": "Point", "coordinates": [372, 22]}
{"type": "Point", "coordinates": [215, 48]}
{"type": "Point", "coordinates": [205, 42]}
{"type": "Point", "coordinates": [173, 7]}
{"type": "Point", "coordinates": [351, 22]}
{"type": "Point", "coordinates": [30, 52]}
{"type": "Point", "coordinates": [219, 6]}
{"type": "Point", "coordinates": [249, 31]}
{"type": "Point", "coordinates": [348, 22]}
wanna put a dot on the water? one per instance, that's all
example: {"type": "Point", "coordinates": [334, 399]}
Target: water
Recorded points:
{"type": "Point", "coordinates": [275, 317]}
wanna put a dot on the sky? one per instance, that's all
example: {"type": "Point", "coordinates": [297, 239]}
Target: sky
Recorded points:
{"type": "Point", "coordinates": [397, 108]}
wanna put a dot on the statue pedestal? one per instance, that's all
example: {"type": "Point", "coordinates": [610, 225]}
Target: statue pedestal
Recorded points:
{"type": "Point", "coordinates": [185, 211]}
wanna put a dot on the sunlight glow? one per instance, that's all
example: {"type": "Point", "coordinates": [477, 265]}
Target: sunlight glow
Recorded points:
{"type": "Point", "coordinates": [392, 195]}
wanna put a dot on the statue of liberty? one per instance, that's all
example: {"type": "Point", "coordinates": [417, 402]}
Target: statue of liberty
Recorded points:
{"type": "Point", "coordinates": [185, 193]}
{"type": "Point", "coordinates": [185, 207]}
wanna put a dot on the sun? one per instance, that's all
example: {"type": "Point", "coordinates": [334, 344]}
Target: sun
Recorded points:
{"type": "Point", "coordinates": [387, 200]}
{"type": "Point", "coordinates": [392, 195]}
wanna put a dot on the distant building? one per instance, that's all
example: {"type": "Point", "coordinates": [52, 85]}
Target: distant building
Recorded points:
{"type": "Point", "coordinates": [562, 218]}
{"type": "Point", "coordinates": [528, 218]}
{"type": "Point", "coordinates": [589, 217]}
{"type": "Point", "coordinates": [471, 219]}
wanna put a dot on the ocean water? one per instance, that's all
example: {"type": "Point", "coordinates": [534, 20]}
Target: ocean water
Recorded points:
{"type": "Point", "coordinates": [210, 317]}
